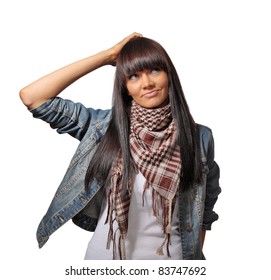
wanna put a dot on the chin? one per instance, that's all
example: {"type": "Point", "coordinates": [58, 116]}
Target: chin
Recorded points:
{"type": "Point", "coordinates": [155, 104]}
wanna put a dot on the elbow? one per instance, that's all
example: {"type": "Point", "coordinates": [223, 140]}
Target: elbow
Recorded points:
{"type": "Point", "coordinates": [26, 97]}
{"type": "Point", "coordinates": [30, 98]}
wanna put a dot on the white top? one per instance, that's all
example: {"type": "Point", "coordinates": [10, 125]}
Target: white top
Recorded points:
{"type": "Point", "coordinates": [144, 235]}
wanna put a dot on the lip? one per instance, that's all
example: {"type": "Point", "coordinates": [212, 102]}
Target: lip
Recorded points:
{"type": "Point", "coordinates": [150, 93]}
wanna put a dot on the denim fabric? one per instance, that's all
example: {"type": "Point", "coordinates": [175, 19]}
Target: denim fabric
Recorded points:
{"type": "Point", "coordinates": [71, 201]}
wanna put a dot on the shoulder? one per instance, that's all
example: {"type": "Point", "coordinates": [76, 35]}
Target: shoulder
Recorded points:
{"type": "Point", "coordinates": [206, 140]}
{"type": "Point", "coordinates": [204, 132]}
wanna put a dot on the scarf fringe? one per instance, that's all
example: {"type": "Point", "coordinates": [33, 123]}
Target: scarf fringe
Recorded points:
{"type": "Point", "coordinates": [159, 250]}
{"type": "Point", "coordinates": [111, 221]}
{"type": "Point", "coordinates": [167, 232]}
{"type": "Point", "coordinates": [155, 204]}
{"type": "Point", "coordinates": [122, 251]}
{"type": "Point", "coordinates": [121, 245]}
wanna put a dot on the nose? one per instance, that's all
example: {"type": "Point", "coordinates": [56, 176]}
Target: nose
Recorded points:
{"type": "Point", "coordinates": [147, 81]}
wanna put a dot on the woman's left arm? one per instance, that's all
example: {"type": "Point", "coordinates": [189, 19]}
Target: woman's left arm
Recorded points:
{"type": "Point", "coordinates": [212, 187]}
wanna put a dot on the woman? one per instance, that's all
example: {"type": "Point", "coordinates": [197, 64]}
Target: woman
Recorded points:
{"type": "Point", "coordinates": [144, 176]}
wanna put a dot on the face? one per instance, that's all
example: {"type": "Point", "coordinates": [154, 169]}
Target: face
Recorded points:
{"type": "Point", "coordinates": [148, 88]}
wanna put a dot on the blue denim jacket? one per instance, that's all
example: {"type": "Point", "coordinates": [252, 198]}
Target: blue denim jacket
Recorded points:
{"type": "Point", "coordinates": [71, 201]}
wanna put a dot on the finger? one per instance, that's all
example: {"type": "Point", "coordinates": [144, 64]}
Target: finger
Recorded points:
{"type": "Point", "coordinates": [132, 36]}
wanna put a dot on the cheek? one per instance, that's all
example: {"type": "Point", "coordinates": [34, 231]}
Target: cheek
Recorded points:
{"type": "Point", "coordinates": [166, 82]}
{"type": "Point", "coordinates": [128, 86]}
{"type": "Point", "coordinates": [131, 89]}
{"type": "Point", "coordinates": [128, 90]}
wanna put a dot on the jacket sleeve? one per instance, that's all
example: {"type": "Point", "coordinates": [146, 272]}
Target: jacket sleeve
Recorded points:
{"type": "Point", "coordinates": [212, 186]}
{"type": "Point", "coordinates": [67, 116]}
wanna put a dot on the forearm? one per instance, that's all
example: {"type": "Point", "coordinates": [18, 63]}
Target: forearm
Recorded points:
{"type": "Point", "coordinates": [52, 84]}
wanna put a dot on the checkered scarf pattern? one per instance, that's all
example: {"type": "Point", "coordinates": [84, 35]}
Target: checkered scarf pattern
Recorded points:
{"type": "Point", "coordinates": [153, 149]}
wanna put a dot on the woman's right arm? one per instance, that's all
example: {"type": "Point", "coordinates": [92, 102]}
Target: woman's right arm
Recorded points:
{"type": "Point", "coordinates": [52, 84]}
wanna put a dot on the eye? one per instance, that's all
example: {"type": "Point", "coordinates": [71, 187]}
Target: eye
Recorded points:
{"type": "Point", "coordinates": [155, 70]}
{"type": "Point", "coordinates": [132, 77]}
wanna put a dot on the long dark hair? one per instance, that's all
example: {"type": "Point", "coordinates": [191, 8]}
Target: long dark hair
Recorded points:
{"type": "Point", "coordinates": [137, 55]}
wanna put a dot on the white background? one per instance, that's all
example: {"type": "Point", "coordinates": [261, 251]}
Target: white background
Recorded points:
{"type": "Point", "coordinates": [221, 50]}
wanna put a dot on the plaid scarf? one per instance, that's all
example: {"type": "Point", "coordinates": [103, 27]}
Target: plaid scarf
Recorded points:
{"type": "Point", "coordinates": [152, 143]}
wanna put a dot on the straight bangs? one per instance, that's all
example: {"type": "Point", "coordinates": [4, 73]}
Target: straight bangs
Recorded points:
{"type": "Point", "coordinates": [141, 54]}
